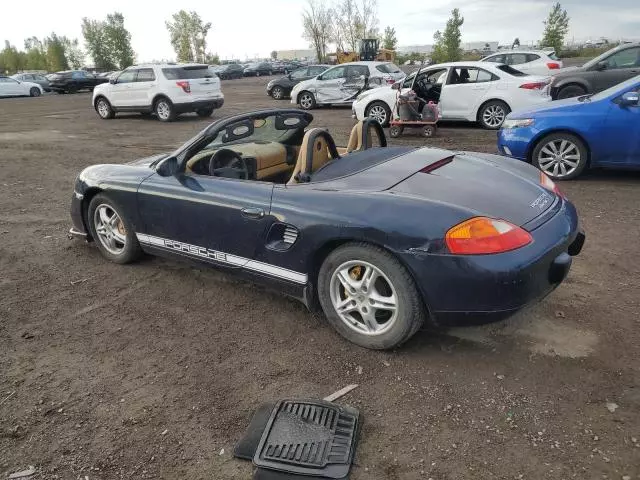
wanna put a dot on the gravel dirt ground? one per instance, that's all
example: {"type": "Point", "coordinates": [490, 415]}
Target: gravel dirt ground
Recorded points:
{"type": "Point", "coordinates": [153, 370]}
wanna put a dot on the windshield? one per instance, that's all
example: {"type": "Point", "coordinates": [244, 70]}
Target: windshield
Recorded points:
{"type": "Point", "coordinates": [388, 68]}
{"type": "Point", "coordinates": [599, 58]}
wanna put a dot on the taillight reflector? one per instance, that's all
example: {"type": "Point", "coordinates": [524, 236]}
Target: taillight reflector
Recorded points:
{"type": "Point", "coordinates": [186, 86]}
{"type": "Point", "coordinates": [534, 85]}
{"type": "Point", "coordinates": [549, 184]}
{"type": "Point", "coordinates": [482, 236]}
{"type": "Point", "coordinates": [553, 66]}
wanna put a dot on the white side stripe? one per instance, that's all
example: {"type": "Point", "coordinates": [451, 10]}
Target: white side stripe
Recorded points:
{"type": "Point", "coordinates": [221, 257]}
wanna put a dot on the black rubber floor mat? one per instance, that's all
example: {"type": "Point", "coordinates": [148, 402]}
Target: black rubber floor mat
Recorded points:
{"type": "Point", "coordinates": [307, 437]}
{"type": "Point", "coordinates": [247, 446]}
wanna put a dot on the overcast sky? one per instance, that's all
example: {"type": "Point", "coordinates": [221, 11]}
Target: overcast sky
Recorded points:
{"type": "Point", "coordinates": [246, 28]}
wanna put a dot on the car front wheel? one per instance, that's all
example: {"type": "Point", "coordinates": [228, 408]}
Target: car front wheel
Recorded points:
{"type": "Point", "coordinates": [369, 297]}
{"type": "Point", "coordinates": [164, 110]}
{"type": "Point", "coordinates": [277, 93]}
{"type": "Point", "coordinates": [103, 107]}
{"type": "Point", "coordinates": [306, 100]}
{"type": "Point", "coordinates": [492, 114]}
{"type": "Point", "coordinates": [379, 111]}
{"type": "Point", "coordinates": [112, 230]}
{"type": "Point", "coordinates": [562, 156]}
{"type": "Point", "coordinates": [34, 92]}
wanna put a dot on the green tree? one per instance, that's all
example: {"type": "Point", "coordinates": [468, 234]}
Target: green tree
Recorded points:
{"type": "Point", "coordinates": [390, 41]}
{"type": "Point", "coordinates": [274, 55]}
{"type": "Point", "coordinates": [516, 43]}
{"type": "Point", "coordinates": [35, 54]}
{"type": "Point", "coordinates": [108, 42]}
{"type": "Point", "coordinates": [56, 53]}
{"type": "Point", "coordinates": [72, 52]}
{"type": "Point", "coordinates": [438, 54]}
{"type": "Point", "coordinates": [447, 43]}
{"type": "Point", "coordinates": [556, 27]}
{"type": "Point", "coordinates": [97, 44]}
{"type": "Point", "coordinates": [212, 59]}
{"type": "Point", "coordinates": [118, 40]}
{"type": "Point", "coordinates": [188, 35]}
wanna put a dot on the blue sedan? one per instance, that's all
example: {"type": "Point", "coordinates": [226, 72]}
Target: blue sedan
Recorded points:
{"type": "Point", "coordinates": [565, 137]}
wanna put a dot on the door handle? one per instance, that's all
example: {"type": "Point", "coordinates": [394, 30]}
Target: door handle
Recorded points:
{"type": "Point", "coordinates": [253, 212]}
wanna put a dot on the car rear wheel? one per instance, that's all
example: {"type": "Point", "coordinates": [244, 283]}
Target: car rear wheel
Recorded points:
{"type": "Point", "coordinates": [306, 100]}
{"type": "Point", "coordinates": [562, 156]}
{"type": "Point", "coordinates": [112, 230]}
{"type": "Point", "coordinates": [277, 93]}
{"type": "Point", "coordinates": [103, 107]}
{"type": "Point", "coordinates": [34, 92]}
{"type": "Point", "coordinates": [571, 91]}
{"type": "Point", "coordinates": [205, 112]}
{"type": "Point", "coordinates": [492, 114]}
{"type": "Point", "coordinates": [369, 297]}
{"type": "Point", "coordinates": [379, 111]}
{"type": "Point", "coordinates": [164, 110]}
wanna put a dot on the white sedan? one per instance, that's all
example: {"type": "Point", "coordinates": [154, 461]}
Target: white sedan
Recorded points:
{"type": "Point", "coordinates": [473, 91]}
{"type": "Point", "coordinates": [532, 62]}
{"type": "Point", "coordinates": [10, 87]}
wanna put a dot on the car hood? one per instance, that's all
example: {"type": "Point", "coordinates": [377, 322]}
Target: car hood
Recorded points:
{"type": "Point", "coordinates": [30, 84]}
{"type": "Point", "coordinates": [147, 161]}
{"type": "Point", "coordinates": [304, 84]}
{"type": "Point", "coordinates": [566, 71]}
{"type": "Point", "coordinates": [568, 105]}
{"type": "Point", "coordinates": [480, 184]}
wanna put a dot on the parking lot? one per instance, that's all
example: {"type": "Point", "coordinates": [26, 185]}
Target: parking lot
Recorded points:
{"type": "Point", "coordinates": [153, 370]}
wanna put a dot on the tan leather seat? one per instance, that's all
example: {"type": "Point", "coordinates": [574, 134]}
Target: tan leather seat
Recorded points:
{"type": "Point", "coordinates": [316, 150]}
{"type": "Point", "coordinates": [357, 139]}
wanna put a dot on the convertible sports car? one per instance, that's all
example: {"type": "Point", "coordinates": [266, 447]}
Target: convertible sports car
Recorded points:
{"type": "Point", "coordinates": [382, 238]}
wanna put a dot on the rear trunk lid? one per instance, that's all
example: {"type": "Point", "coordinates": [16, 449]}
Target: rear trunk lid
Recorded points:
{"type": "Point", "coordinates": [483, 184]}
{"type": "Point", "coordinates": [201, 79]}
{"type": "Point", "coordinates": [488, 185]}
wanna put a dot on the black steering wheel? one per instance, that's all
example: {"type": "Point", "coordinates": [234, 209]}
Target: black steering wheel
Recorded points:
{"type": "Point", "coordinates": [229, 164]}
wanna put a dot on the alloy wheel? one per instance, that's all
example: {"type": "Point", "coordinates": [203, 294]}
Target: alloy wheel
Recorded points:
{"type": "Point", "coordinates": [163, 110]}
{"type": "Point", "coordinates": [378, 113]}
{"type": "Point", "coordinates": [363, 297]}
{"type": "Point", "coordinates": [110, 229]}
{"type": "Point", "coordinates": [306, 101]}
{"type": "Point", "coordinates": [493, 116]}
{"type": "Point", "coordinates": [103, 108]}
{"type": "Point", "coordinates": [277, 93]}
{"type": "Point", "coordinates": [559, 158]}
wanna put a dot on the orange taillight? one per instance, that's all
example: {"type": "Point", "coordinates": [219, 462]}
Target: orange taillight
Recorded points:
{"type": "Point", "coordinates": [549, 184]}
{"type": "Point", "coordinates": [483, 235]}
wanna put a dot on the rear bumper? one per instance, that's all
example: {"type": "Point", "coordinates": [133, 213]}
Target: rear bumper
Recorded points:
{"type": "Point", "coordinates": [199, 105]}
{"type": "Point", "coordinates": [476, 289]}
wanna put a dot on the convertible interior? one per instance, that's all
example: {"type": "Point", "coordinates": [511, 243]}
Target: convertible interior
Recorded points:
{"type": "Point", "coordinates": [278, 148]}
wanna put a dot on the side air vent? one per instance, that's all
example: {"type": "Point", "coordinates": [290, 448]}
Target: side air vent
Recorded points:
{"type": "Point", "coordinates": [290, 235]}
{"type": "Point", "coordinates": [282, 236]}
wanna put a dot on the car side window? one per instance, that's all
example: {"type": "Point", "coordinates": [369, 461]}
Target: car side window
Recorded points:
{"type": "Point", "coordinates": [464, 75]}
{"type": "Point", "coordinates": [408, 81]}
{"type": "Point", "coordinates": [334, 73]}
{"type": "Point", "coordinates": [532, 57]}
{"type": "Point", "coordinates": [145, 75]}
{"type": "Point", "coordinates": [357, 70]}
{"type": "Point", "coordinates": [316, 70]}
{"type": "Point", "coordinates": [299, 73]}
{"type": "Point", "coordinates": [496, 59]}
{"type": "Point", "coordinates": [625, 59]}
{"type": "Point", "coordinates": [127, 76]}
{"type": "Point", "coordinates": [516, 59]}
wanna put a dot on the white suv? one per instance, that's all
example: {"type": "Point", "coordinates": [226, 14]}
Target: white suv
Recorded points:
{"type": "Point", "coordinates": [533, 62]}
{"type": "Point", "coordinates": [343, 83]}
{"type": "Point", "coordinates": [164, 89]}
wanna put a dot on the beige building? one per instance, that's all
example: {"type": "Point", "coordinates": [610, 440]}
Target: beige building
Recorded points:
{"type": "Point", "coordinates": [296, 54]}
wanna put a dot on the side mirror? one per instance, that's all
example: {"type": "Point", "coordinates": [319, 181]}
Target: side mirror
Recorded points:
{"type": "Point", "coordinates": [168, 167]}
{"type": "Point", "coordinates": [396, 86]}
{"type": "Point", "coordinates": [600, 66]}
{"type": "Point", "coordinates": [630, 99]}
{"type": "Point", "coordinates": [112, 81]}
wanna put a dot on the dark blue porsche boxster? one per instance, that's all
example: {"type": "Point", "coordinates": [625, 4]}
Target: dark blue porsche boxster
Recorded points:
{"type": "Point", "coordinates": [383, 238]}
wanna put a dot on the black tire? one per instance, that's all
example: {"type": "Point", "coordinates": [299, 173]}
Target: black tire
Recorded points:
{"type": "Point", "coordinates": [429, 131]}
{"type": "Point", "coordinates": [491, 115]}
{"type": "Point", "coordinates": [306, 100]}
{"type": "Point", "coordinates": [131, 250]}
{"type": "Point", "coordinates": [395, 131]}
{"type": "Point", "coordinates": [34, 92]}
{"type": "Point", "coordinates": [205, 112]}
{"type": "Point", "coordinates": [380, 108]}
{"type": "Point", "coordinates": [411, 312]}
{"type": "Point", "coordinates": [163, 108]}
{"type": "Point", "coordinates": [277, 93]}
{"type": "Point", "coordinates": [72, 89]}
{"type": "Point", "coordinates": [103, 109]}
{"type": "Point", "coordinates": [583, 161]}
{"type": "Point", "coordinates": [571, 91]}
